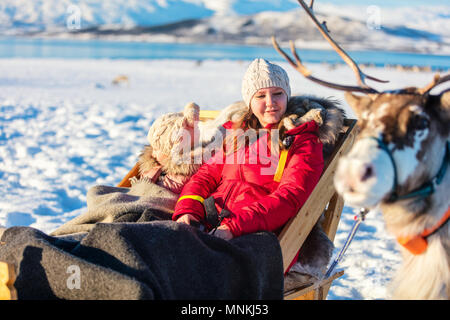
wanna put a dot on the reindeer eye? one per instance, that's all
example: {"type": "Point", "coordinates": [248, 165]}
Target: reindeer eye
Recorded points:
{"type": "Point", "coordinates": [421, 122]}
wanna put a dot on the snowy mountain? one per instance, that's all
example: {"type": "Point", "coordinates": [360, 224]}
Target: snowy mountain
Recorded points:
{"type": "Point", "coordinates": [47, 14]}
{"type": "Point", "coordinates": [415, 29]}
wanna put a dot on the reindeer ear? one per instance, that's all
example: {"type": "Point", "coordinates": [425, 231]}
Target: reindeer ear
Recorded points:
{"type": "Point", "coordinates": [191, 114]}
{"type": "Point", "coordinates": [445, 104]}
{"type": "Point", "coordinates": [445, 99]}
{"type": "Point", "coordinates": [358, 103]}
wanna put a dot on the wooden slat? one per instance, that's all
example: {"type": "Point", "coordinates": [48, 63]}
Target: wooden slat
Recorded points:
{"type": "Point", "coordinates": [298, 228]}
{"type": "Point", "coordinates": [333, 216]}
{"type": "Point", "coordinates": [7, 278]}
{"type": "Point", "coordinates": [311, 292]}
{"type": "Point", "coordinates": [134, 172]}
{"type": "Point", "coordinates": [208, 114]}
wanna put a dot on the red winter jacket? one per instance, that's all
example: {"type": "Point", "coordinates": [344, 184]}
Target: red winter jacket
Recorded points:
{"type": "Point", "coordinates": [248, 190]}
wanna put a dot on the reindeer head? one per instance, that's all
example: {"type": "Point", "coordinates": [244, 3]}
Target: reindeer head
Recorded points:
{"type": "Point", "coordinates": [404, 134]}
{"type": "Point", "coordinates": [401, 145]}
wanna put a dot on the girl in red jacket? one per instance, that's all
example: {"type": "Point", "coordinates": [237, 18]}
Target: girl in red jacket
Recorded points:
{"type": "Point", "coordinates": [253, 190]}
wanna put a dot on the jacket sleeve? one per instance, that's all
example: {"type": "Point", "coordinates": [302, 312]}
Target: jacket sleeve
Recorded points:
{"type": "Point", "coordinates": [301, 174]}
{"type": "Point", "coordinates": [203, 183]}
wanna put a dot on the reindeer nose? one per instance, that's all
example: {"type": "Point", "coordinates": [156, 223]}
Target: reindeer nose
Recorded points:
{"type": "Point", "coordinates": [368, 172]}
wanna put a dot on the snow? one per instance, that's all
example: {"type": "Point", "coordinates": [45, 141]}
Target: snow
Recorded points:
{"type": "Point", "coordinates": [64, 127]}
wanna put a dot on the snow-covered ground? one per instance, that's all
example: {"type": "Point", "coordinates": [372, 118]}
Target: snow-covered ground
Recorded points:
{"type": "Point", "coordinates": [64, 127]}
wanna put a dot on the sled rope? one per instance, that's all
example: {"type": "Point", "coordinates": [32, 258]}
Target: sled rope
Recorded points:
{"type": "Point", "coordinates": [358, 220]}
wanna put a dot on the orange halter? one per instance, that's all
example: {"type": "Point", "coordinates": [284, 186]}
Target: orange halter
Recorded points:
{"type": "Point", "coordinates": [418, 244]}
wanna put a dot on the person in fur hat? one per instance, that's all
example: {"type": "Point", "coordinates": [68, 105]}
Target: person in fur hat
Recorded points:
{"type": "Point", "coordinates": [164, 160]}
{"type": "Point", "coordinates": [156, 162]}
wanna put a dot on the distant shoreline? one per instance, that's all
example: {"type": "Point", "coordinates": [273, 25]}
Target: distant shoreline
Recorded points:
{"type": "Point", "coordinates": [121, 48]}
{"type": "Point", "coordinates": [139, 34]}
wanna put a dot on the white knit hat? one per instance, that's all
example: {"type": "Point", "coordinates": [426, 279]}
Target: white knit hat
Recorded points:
{"type": "Point", "coordinates": [263, 74]}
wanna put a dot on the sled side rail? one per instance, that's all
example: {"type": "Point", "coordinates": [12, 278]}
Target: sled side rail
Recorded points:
{"type": "Point", "coordinates": [297, 229]}
{"type": "Point", "coordinates": [134, 172]}
{"type": "Point", "coordinates": [324, 199]}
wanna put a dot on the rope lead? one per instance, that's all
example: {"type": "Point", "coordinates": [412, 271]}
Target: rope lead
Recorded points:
{"type": "Point", "coordinates": [358, 220]}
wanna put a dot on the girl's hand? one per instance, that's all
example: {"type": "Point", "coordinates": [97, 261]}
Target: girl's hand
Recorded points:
{"type": "Point", "coordinates": [187, 218]}
{"type": "Point", "coordinates": [223, 232]}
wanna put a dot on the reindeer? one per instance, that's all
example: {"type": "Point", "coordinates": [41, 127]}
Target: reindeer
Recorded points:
{"type": "Point", "coordinates": [399, 163]}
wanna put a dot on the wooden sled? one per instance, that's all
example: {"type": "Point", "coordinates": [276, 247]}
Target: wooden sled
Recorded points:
{"type": "Point", "coordinates": [323, 199]}
{"type": "Point", "coordinates": [7, 278]}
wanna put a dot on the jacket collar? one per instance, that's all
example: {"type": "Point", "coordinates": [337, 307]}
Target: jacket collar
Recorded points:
{"type": "Point", "coordinates": [310, 126]}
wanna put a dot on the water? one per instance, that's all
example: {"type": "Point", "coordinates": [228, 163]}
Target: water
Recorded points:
{"type": "Point", "coordinates": [97, 49]}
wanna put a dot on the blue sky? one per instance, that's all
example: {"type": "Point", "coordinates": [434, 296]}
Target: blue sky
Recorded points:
{"type": "Point", "coordinates": [388, 3]}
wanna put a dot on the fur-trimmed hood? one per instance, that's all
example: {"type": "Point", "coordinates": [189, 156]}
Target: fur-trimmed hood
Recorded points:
{"type": "Point", "coordinates": [325, 112]}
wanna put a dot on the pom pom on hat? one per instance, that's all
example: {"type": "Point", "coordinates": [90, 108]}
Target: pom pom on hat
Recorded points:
{"type": "Point", "coordinates": [263, 74]}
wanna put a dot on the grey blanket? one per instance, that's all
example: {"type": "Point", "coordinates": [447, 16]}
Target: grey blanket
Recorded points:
{"type": "Point", "coordinates": [149, 258]}
{"type": "Point", "coordinates": [113, 204]}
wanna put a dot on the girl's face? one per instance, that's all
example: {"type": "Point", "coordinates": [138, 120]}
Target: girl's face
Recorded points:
{"type": "Point", "coordinates": [269, 105]}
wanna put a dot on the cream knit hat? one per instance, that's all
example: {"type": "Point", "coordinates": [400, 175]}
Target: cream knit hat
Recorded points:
{"type": "Point", "coordinates": [263, 74]}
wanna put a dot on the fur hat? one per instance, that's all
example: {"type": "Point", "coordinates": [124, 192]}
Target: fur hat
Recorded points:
{"type": "Point", "coordinates": [167, 146]}
{"type": "Point", "coordinates": [263, 74]}
{"type": "Point", "coordinates": [164, 142]}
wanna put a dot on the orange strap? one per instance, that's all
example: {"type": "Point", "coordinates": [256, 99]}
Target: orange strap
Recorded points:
{"type": "Point", "coordinates": [418, 244]}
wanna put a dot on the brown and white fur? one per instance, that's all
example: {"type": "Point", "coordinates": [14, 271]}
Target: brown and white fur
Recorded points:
{"type": "Point", "coordinates": [415, 128]}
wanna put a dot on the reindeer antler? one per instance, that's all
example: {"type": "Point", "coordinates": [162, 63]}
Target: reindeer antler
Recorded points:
{"type": "Point", "coordinates": [298, 65]}
{"type": "Point", "coordinates": [437, 80]}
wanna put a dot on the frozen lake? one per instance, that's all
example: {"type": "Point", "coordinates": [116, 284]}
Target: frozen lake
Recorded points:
{"type": "Point", "coordinates": [103, 49]}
